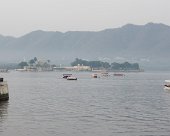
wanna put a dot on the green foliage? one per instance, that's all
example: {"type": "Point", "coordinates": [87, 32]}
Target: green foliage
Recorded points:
{"type": "Point", "coordinates": [53, 65]}
{"type": "Point", "coordinates": [106, 65]}
{"type": "Point", "coordinates": [93, 64]}
{"type": "Point", "coordinates": [37, 64]}
{"type": "Point", "coordinates": [32, 61]}
{"type": "Point", "coordinates": [45, 65]}
{"type": "Point", "coordinates": [48, 61]}
{"type": "Point", "coordinates": [79, 61]}
{"type": "Point", "coordinates": [125, 66]}
{"type": "Point", "coordinates": [22, 64]}
{"type": "Point", "coordinates": [35, 59]}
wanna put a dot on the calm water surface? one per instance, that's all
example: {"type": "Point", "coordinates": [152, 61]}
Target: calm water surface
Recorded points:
{"type": "Point", "coordinates": [44, 104]}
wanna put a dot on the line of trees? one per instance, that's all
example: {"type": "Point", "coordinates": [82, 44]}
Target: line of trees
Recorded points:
{"type": "Point", "coordinates": [30, 62]}
{"type": "Point", "coordinates": [34, 62]}
{"type": "Point", "coordinates": [106, 65]}
{"type": "Point", "coordinates": [93, 64]}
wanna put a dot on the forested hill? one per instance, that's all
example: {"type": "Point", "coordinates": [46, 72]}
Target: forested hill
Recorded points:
{"type": "Point", "coordinates": [147, 44]}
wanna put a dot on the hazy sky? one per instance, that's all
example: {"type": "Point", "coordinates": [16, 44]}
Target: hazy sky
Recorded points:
{"type": "Point", "coordinates": [18, 17]}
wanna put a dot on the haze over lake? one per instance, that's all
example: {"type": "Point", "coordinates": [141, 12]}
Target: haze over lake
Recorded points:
{"type": "Point", "coordinates": [41, 39]}
{"type": "Point", "coordinates": [147, 45]}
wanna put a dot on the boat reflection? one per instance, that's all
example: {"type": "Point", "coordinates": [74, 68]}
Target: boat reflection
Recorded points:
{"type": "Point", "coordinates": [3, 110]}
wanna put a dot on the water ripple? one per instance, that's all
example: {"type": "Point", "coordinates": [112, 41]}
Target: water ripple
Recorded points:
{"type": "Point", "coordinates": [44, 104]}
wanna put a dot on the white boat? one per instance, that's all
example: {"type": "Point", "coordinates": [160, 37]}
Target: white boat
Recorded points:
{"type": "Point", "coordinates": [71, 78]}
{"type": "Point", "coordinates": [94, 75]}
{"type": "Point", "coordinates": [167, 85]}
{"type": "Point", "coordinates": [105, 74]}
{"type": "Point", "coordinates": [67, 75]}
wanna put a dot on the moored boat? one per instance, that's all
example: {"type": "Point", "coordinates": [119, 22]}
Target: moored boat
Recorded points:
{"type": "Point", "coordinates": [167, 85]}
{"type": "Point", "coordinates": [67, 75]}
{"type": "Point", "coordinates": [94, 75]}
{"type": "Point", "coordinates": [4, 94]}
{"type": "Point", "coordinates": [71, 78]}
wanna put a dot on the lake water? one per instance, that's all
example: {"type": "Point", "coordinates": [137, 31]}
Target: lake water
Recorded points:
{"type": "Point", "coordinates": [45, 104]}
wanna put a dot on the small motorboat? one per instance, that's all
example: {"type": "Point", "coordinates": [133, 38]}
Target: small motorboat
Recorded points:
{"type": "Point", "coordinates": [94, 75]}
{"type": "Point", "coordinates": [67, 75]}
{"type": "Point", "coordinates": [167, 85]}
{"type": "Point", "coordinates": [71, 78]}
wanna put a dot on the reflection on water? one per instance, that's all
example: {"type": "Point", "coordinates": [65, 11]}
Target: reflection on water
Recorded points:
{"type": "Point", "coordinates": [3, 112]}
{"type": "Point", "coordinates": [3, 109]}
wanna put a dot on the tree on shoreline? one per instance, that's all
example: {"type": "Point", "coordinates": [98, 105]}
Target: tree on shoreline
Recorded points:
{"type": "Point", "coordinates": [22, 64]}
{"type": "Point", "coordinates": [106, 65]}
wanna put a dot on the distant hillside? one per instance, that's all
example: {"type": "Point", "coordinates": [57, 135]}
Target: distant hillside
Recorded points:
{"type": "Point", "coordinates": [148, 45]}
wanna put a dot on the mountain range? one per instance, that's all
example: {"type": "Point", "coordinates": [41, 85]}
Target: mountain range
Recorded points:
{"type": "Point", "coordinates": [148, 45]}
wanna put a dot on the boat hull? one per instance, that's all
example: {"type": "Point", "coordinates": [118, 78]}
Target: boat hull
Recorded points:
{"type": "Point", "coordinates": [4, 94]}
{"type": "Point", "coordinates": [4, 97]}
{"type": "Point", "coordinates": [167, 88]}
{"type": "Point", "coordinates": [94, 75]}
{"type": "Point", "coordinates": [71, 78]}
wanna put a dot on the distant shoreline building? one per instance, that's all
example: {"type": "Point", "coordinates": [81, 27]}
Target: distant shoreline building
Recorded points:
{"type": "Point", "coordinates": [74, 68]}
